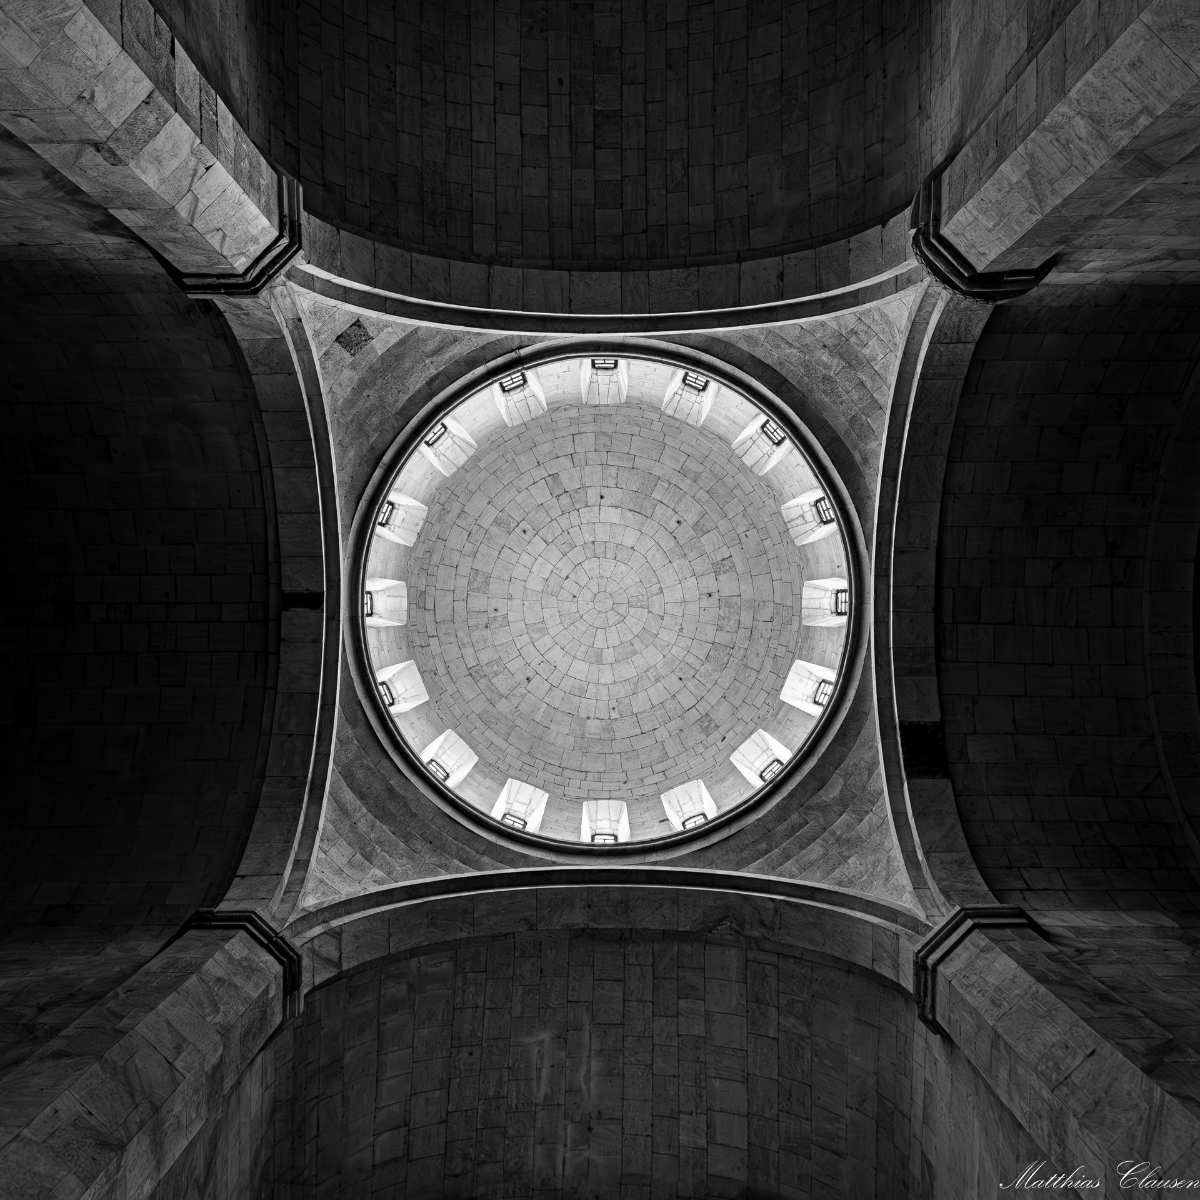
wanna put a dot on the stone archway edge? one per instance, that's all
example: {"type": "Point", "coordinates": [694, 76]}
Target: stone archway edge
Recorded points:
{"type": "Point", "coordinates": [941, 342]}
{"type": "Point", "coordinates": [869, 933]}
{"type": "Point", "coordinates": [269, 331]}
{"type": "Point", "coordinates": [383, 279]}
{"type": "Point", "coordinates": [308, 925]}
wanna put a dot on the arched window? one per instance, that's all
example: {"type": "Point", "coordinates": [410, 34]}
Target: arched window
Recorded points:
{"type": "Point", "coordinates": [689, 396]}
{"type": "Point", "coordinates": [689, 805]}
{"type": "Point", "coordinates": [400, 519]}
{"type": "Point", "coordinates": [400, 687]}
{"type": "Point", "coordinates": [760, 757]}
{"type": "Point", "coordinates": [808, 687]}
{"type": "Point", "coordinates": [605, 822]}
{"type": "Point", "coordinates": [447, 445]}
{"type": "Point", "coordinates": [385, 602]}
{"type": "Point", "coordinates": [825, 603]}
{"type": "Point", "coordinates": [519, 397]}
{"type": "Point", "coordinates": [809, 517]}
{"type": "Point", "coordinates": [449, 759]}
{"type": "Point", "coordinates": [761, 445]}
{"type": "Point", "coordinates": [603, 381]}
{"type": "Point", "coordinates": [520, 806]}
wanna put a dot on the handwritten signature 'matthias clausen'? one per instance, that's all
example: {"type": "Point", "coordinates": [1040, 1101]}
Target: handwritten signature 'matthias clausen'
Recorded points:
{"type": "Point", "coordinates": [1131, 1175]}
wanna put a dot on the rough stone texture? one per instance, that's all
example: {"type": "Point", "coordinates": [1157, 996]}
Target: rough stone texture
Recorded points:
{"type": "Point", "coordinates": [1094, 153]}
{"type": "Point", "coordinates": [577, 1064]}
{"type": "Point", "coordinates": [1045, 581]}
{"type": "Point", "coordinates": [134, 131]}
{"type": "Point", "coordinates": [104, 1108]}
{"type": "Point", "coordinates": [1021, 1011]}
{"type": "Point", "coordinates": [49, 977]}
{"type": "Point", "coordinates": [1130, 978]}
{"type": "Point", "coordinates": [231, 1154]}
{"type": "Point", "coordinates": [1003, 68]}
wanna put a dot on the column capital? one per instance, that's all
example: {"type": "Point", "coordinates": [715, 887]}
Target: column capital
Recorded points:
{"type": "Point", "coordinates": [256, 926]}
{"type": "Point", "coordinates": [944, 939]}
{"type": "Point", "coordinates": [950, 266]}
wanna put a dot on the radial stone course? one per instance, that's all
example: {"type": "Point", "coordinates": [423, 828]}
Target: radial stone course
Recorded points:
{"type": "Point", "coordinates": [600, 608]}
{"type": "Point", "coordinates": [604, 603]}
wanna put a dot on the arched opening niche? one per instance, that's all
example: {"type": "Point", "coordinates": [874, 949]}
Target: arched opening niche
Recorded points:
{"type": "Point", "coordinates": [141, 645]}
{"type": "Point", "coordinates": [576, 1041]}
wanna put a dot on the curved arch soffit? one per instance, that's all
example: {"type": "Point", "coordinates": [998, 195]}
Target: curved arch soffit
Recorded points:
{"type": "Point", "coordinates": [381, 279]}
{"type": "Point", "coordinates": [865, 932]}
{"type": "Point", "coordinates": [305, 600]}
{"type": "Point", "coordinates": [461, 316]}
{"type": "Point", "coordinates": [939, 345]}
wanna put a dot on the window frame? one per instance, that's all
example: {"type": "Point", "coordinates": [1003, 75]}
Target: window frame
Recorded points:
{"type": "Point", "coordinates": [770, 770]}
{"type": "Point", "coordinates": [773, 431]}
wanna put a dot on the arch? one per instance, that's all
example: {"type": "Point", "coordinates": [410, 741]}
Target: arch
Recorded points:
{"type": "Point", "coordinates": [378, 278]}
{"type": "Point", "coordinates": [133, 779]}
{"type": "Point", "coordinates": [308, 598]}
{"type": "Point", "coordinates": [1051, 587]}
{"type": "Point", "coordinates": [872, 934]}
{"type": "Point", "coordinates": [1172, 635]}
{"type": "Point", "coordinates": [941, 337]}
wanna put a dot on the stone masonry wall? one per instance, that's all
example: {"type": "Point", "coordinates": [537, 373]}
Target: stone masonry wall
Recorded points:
{"type": "Point", "coordinates": [590, 1065]}
{"type": "Point", "coordinates": [666, 133]}
{"type": "Point", "coordinates": [533, 133]}
{"type": "Point", "coordinates": [1046, 586]}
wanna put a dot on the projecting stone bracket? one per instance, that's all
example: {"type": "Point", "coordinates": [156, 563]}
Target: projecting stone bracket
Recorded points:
{"type": "Point", "coordinates": [950, 266]}
{"type": "Point", "coordinates": [267, 936]}
{"type": "Point", "coordinates": [955, 929]}
{"type": "Point", "coordinates": [267, 264]}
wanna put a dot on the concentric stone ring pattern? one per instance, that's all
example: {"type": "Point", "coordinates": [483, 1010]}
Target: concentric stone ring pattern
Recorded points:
{"type": "Point", "coordinates": [585, 599]}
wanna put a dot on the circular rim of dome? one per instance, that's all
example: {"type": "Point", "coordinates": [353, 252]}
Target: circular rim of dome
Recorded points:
{"type": "Point", "coordinates": [405, 445]}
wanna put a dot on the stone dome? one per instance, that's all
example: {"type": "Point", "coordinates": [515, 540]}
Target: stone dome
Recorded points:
{"type": "Point", "coordinates": [605, 599]}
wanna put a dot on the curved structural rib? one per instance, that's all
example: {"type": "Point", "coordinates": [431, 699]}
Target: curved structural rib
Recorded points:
{"type": "Point", "coordinates": [941, 340]}
{"type": "Point", "coordinates": [590, 314]}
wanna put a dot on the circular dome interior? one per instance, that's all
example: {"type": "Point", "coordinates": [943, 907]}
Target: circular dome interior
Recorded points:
{"type": "Point", "coordinates": [606, 599]}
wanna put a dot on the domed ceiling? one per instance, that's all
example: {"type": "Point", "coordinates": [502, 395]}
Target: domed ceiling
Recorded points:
{"type": "Point", "coordinates": [605, 599]}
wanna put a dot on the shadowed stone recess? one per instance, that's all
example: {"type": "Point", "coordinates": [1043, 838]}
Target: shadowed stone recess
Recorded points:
{"type": "Point", "coordinates": [576, 133]}
{"type": "Point", "coordinates": [589, 1063]}
{"type": "Point", "coordinates": [137, 643]}
{"type": "Point", "coordinates": [1047, 580]}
